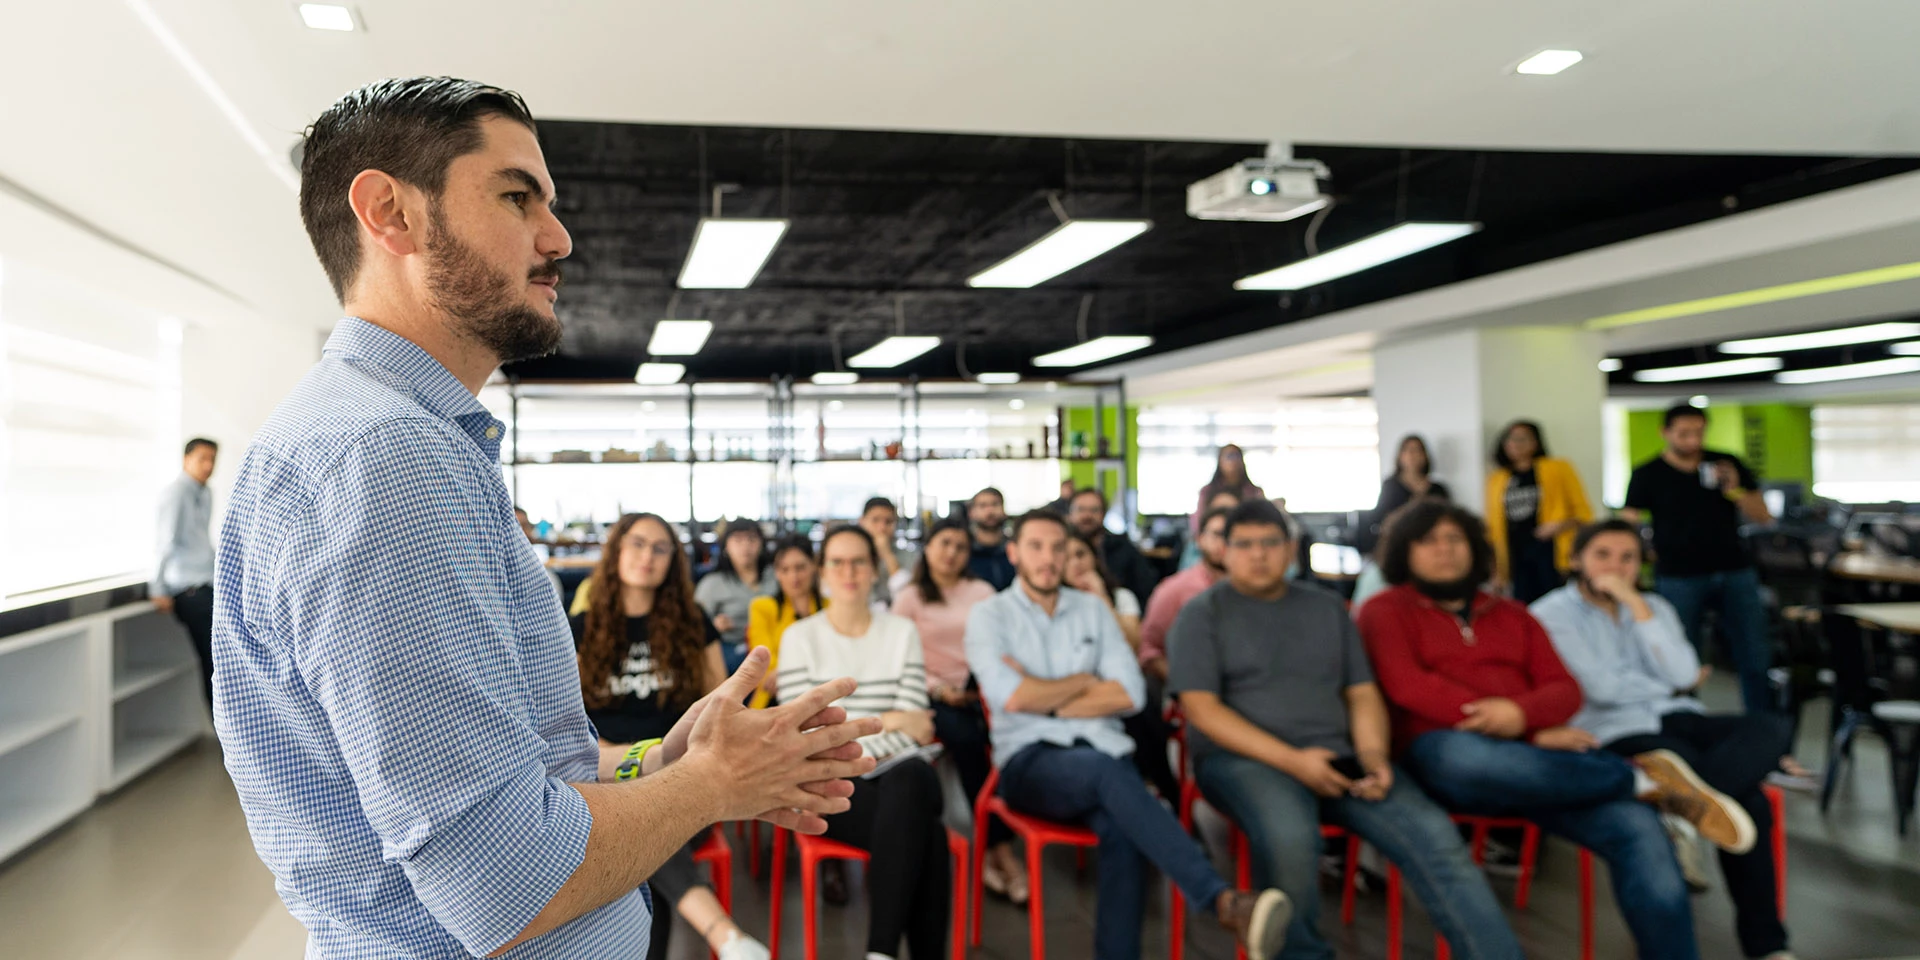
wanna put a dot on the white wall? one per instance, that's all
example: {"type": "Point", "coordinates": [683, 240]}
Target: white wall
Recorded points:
{"type": "Point", "coordinates": [1430, 386]}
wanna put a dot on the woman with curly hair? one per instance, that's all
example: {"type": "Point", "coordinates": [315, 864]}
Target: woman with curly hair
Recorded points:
{"type": "Point", "coordinates": [647, 652]}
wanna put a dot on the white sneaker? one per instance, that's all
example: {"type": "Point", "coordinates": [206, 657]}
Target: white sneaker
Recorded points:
{"type": "Point", "coordinates": [743, 947]}
{"type": "Point", "coordinates": [1686, 850]}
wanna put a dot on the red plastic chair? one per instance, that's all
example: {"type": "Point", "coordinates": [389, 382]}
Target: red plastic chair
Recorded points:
{"type": "Point", "coordinates": [1036, 835]}
{"type": "Point", "coordinates": [814, 850]}
{"type": "Point", "coordinates": [719, 859]}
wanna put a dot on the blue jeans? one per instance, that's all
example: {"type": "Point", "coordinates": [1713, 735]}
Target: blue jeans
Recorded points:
{"type": "Point", "coordinates": [1281, 818]}
{"type": "Point", "coordinates": [1079, 784]}
{"type": "Point", "coordinates": [1584, 797]}
{"type": "Point", "coordinates": [1743, 625]}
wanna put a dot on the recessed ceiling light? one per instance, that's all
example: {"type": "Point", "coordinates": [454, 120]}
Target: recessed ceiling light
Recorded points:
{"type": "Point", "coordinates": [1546, 63]}
{"type": "Point", "coordinates": [728, 254]}
{"type": "Point", "coordinates": [1016, 404]}
{"type": "Point", "coordinates": [892, 352]}
{"type": "Point", "coordinates": [1870, 333]}
{"type": "Point", "coordinates": [1851, 371]}
{"type": "Point", "coordinates": [835, 404]}
{"type": "Point", "coordinates": [1707, 371]}
{"type": "Point", "coordinates": [998, 378]}
{"type": "Point", "coordinates": [1099, 348]}
{"type": "Point", "coordinates": [1365, 254]}
{"type": "Point", "coordinates": [679, 338]}
{"type": "Point", "coordinates": [835, 378]}
{"type": "Point", "coordinates": [1063, 248]}
{"type": "Point", "coordinates": [1698, 400]}
{"type": "Point", "coordinates": [659, 374]}
{"type": "Point", "coordinates": [1610, 365]}
{"type": "Point", "coordinates": [327, 16]}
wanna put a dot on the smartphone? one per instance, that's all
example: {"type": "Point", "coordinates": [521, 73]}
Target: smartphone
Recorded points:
{"type": "Point", "coordinates": [1348, 767]}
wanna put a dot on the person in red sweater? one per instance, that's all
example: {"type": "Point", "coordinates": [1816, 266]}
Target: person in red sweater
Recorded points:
{"type": "Point", "coordinates": [1480, 703]}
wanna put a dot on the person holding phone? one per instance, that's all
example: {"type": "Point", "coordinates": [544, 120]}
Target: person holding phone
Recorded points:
{"type": "Point", "coordinates": [1288, 729]}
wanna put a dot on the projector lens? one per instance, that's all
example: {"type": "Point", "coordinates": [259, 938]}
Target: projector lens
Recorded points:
{"type": "Point", "coordinates": [1261, 188]}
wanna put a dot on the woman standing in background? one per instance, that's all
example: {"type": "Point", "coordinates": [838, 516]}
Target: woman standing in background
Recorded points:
{"type": "Point", "coordinates": [1535, 505]}
{"type": "Point", "coordinates": [738, 576]}
{"type": "Point", "coordinates": [1230, 474]}
{"type": "Point", "coordinates": [1411, 479]}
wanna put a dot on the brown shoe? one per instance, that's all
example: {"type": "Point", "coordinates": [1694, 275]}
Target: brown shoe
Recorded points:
{"type": "Point", "coordinates": [1682, 793]}
{"type": "Point", "coordinates": [1258, 920]}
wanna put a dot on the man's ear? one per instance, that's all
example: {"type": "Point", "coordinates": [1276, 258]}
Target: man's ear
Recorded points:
{"type": "Point", "coordinates": [390, 213]}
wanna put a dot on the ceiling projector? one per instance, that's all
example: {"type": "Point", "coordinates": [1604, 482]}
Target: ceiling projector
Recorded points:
{"type": "Point", "coordinates": [1270, 188]}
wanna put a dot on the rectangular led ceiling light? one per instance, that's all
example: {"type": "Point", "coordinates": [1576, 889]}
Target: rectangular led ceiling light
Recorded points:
{"type": "Point", "coordinates": [1610, 364]}
{"type": "Point", "coordinates": [1851, 371]}
{"type": "Point", "coordinates": [1871, 333]}
{"type": "Point", "coordinates": [1546, 63]}
{"type": "Point", "coordinates": [327, 16]}
{"type": "Point", "coordinates": [1000, 378]}
{"type": "Point", "coordinates": [679, 338]}
{"type": "Point", "coordinates": [892, 352]}
{"type": "Point", "coordinates": [659, 374]}
{"type": "Point", "coordinates": [835, 378]}
{"type": "Point", "coordinates": [1092, 351]}
{"type": "Point", "coordinates": [1387, 245]}
{"type": "Point", "coordinates": [1708, 371]}
{"type": "Point", "coordinates": [1065, 247]}
{"type": "Point", "coordinates": [1908, 349]}
{"type": "Point", "coordinates": [728, 254]}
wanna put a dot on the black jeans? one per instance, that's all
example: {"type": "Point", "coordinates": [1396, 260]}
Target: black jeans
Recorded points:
{"type": "Point", "coordinates": [193, 607]}
{"type": "Point", "coordinates": [1734, 754]}
{"type": "Point", "coordinates": [963, 732]}
{"type": "Point", "coordinates": [896, 819]}
{"type": "Point", "coordinates": [673, 880]}
{"type": "Point", "coordinates": [1530, 564]}
{"type": "Point", "coordinates": [1149, 731]}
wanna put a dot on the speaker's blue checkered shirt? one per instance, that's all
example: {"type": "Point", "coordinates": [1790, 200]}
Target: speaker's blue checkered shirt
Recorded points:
{"type": "Point", "coordinates": [395, 686]}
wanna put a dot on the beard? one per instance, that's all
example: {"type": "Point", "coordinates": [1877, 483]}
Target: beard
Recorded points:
{"type": "Point", "coordinates": [1447, 591]}
{"type": "Point", "coordinates": [487, 306]}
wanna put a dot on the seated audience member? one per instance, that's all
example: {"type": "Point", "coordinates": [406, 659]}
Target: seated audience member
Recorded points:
{"type": "Point", "coordinates": [882, 522]}
{"type": "Point", "coordinates": [1057, 677]}
{"type": "Point", "coordinates": [987, 513]}
{"type": "Point", "coordinates": [1087, 572]}
{"type": "Point", "coordinates": [1480, 704]}
{"type": "Point", "coordinates": [796, 596]}
{"type": "Point", "coordinates": [1192, 554]}
{"type": "Point", "coordinates": [1632, 659]}
{"type": "Point", "coordinates": [938, 600]}
{"type": "Point", "coordinates": [739, 576]}
{"type": "Point", "coordinates": [646, 654]}
{"type": "Point", "coordinates": [1129, 566]}
{"type": "Point", "coordinates": [1288, 728]}
{"type": "Point", "coordinates": [1173, 593]}
{"type": "Point", "coordinates": [895, 816]}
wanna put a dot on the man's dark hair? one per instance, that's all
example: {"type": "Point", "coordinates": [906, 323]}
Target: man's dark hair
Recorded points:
{"type": "Point", "coordinates": [1679, 410]}
{"type": "Point", "coordinates": [1042, 515]}
{"type": "Point", "coordinates": [411, 129]}
{"type": "Point", "coordinates": [986, 490]}
{"type": "Point", "coordinates": [1500, 446]}
{"type": "Point", "coordinates": [198, 442]}
{"type": "Point", "coordinates": [1416, 520]}
{"type": "Point", "coordinates": [1257, 512]}
{"type": "Point", "coordinates": [1207, 517]}
{"type": "Point", "coordinates": [1615, 525]}
{"type": "Point", "coordinates": [1089, 492]}
{"type": "Point", "coordinates": [877, 502]}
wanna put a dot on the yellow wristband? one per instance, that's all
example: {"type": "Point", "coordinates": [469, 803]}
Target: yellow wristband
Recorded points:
{"type": "Point", "coordinates": [635, 757]}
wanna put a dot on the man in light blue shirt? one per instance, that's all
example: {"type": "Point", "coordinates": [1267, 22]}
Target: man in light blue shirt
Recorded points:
{"type": "Point", "coordinates": [1631, 657]}
{"type": "Point", "coordinates": [1056, 677]}
{"type": "Point", "coordinates": [182, 581]}
{"type": "Point", "coordinates": [398, 698]}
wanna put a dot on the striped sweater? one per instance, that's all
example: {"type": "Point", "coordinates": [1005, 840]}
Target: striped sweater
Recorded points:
{"type": "Point", "coordinates": [886, 662]}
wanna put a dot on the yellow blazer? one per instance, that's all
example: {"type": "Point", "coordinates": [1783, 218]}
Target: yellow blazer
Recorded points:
{"type": "Point", "coordinates": [1561, 498]}
{"type": "Point", "coordinates": [767, 620]}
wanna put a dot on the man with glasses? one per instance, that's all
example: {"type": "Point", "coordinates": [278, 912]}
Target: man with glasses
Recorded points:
{"type": "Point", "coordinates": [1057, 677]}
{"type": "Point", "coordinates": [1288, 730]}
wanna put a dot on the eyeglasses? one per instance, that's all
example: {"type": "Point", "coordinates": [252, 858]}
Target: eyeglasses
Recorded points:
{"type": "Point", "coordinates": [1258, 543]}
{"type": "Point", "coordinates": [659, 548]}
{"type": "Point", "coordinates": [843, 563]}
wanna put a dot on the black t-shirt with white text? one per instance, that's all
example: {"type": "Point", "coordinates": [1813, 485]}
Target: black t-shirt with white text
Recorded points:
{"type": "Point", "coordinates": [1522, 506]}
{"type": "Point", "coordinates": [1696, 528]}
{"type": "Point", "coordinates": [638, 711]}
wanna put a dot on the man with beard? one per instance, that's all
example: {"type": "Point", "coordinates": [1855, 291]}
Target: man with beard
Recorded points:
{"type": "Point", "coordinates": [987, 514]}
{"type": "Point", "coordinates": [1057, 677]}
{"type": "Point", "coordinates": [1088, 514]}
{"type": "Point", "coordinates": [1480, 706]}
{"type": "Point", "coordinates": [398, 698]}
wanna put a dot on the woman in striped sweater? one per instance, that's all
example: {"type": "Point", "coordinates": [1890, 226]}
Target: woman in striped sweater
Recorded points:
{"type": "Point", "coordinates": [895, 816]}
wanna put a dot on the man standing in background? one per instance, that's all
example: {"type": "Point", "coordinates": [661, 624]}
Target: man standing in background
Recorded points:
{"type": "Point", "coordinates": [1698, 498]}
{"type": "Point", "coordinates": [182, 581]}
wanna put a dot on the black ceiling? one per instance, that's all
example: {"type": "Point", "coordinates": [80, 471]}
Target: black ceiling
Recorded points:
{"type": "Point", "coordinates": [886, 220]}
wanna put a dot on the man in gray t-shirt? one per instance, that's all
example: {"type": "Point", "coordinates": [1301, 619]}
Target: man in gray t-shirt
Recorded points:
{"type": "Point", "coordinates": [1289, 729]}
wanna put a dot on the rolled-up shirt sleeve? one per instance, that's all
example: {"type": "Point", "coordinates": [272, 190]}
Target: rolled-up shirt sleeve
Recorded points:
{"type": "Point", "coordinates": [379, 592]}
